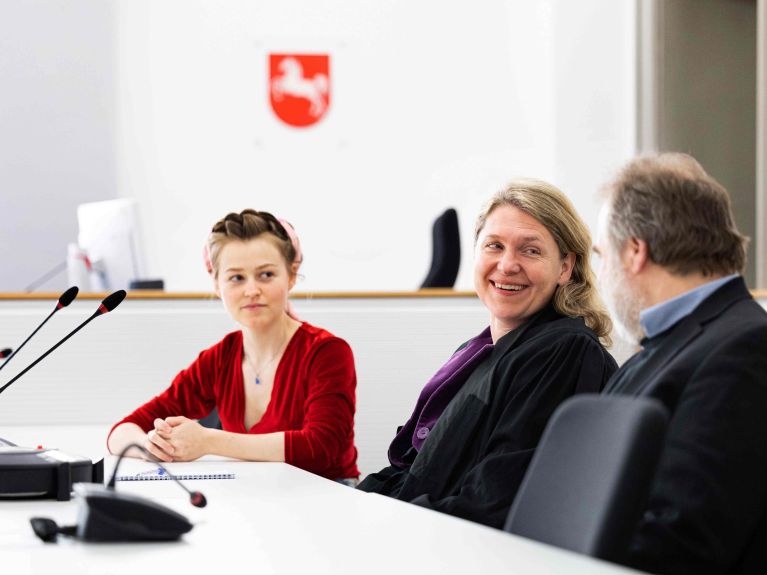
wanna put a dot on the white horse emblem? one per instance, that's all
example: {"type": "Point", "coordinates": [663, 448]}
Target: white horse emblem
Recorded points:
{"type": "Point", "coordinates": [291, 82]}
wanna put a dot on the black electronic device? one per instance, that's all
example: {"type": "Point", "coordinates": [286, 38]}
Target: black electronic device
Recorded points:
{"type": "Point", "coordinates": [43, 473]}
{"type": "Point", "coordinates": [48, 473]}
{"type": "Point", "coordinates": [104, 515]}
{"type": "Point", "coordinates": [107, 515]}
{"type": "Point", "coordinates": [5, 354]}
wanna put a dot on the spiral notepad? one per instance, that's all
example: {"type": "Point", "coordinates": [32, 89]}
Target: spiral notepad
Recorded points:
{"type": "Point", "coordinates": [160, 475]}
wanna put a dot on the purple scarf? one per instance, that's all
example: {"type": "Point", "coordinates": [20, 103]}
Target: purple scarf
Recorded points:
{"type": "Point", "coordinates": [437, 394]}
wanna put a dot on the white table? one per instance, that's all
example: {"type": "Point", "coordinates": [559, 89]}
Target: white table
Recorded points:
{"type": "Point", "coordinates": [273, 518]}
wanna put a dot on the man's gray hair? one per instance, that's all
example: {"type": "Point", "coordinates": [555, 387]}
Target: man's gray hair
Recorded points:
{"type": "Point", "coordinates": [683, 214]}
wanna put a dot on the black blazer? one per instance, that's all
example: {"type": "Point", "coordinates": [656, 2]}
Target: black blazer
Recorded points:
{"type": "Point", "coordinates": [476, 455]}
{"type": "Point", "coordinates": [707, 511]}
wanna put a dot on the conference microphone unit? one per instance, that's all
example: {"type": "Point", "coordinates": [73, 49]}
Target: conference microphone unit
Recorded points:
{"type": "Point", "coordinates": [195, 497]}
{"type": "Point", "coordinates": [49, 473]}
{"type": "Point", "coordinates": [64, 300]}
{"type": "Point", "coordinates": [106, 515]}
{"type": "Point", "coordinates": [107, 304]}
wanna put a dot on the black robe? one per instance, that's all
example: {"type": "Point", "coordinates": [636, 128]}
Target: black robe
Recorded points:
{"type": "Point", "coordinates": [475, 457]}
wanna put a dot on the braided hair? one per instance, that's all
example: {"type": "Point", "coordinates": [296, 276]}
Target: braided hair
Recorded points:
{"type": "Point", "coordinates": [243, 226]}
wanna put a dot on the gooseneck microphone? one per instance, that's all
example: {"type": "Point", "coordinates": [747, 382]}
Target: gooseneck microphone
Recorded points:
{"type": "Point", "coordinates": [64, 300]}
{"type": "Point", "coordinates": [107, 304]}
{"type": "Point", "coordinates": [108, 515]}
{"type": "Point", "coordinates": [195, 497]}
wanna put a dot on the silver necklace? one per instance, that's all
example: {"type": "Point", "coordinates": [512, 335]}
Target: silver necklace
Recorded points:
{"type": "Point", "coordinates": [264, 366]}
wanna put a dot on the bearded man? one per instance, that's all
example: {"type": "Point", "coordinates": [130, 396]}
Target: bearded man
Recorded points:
{"type": "Point", "coordinates": [671, 258]}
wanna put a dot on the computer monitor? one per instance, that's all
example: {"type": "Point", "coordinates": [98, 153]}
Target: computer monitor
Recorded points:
{"type": "Point", "coordinates": [109, 234]}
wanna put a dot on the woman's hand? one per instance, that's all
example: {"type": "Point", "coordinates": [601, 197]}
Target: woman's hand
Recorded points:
{"type": "Point", "coordinates": [157, 441]}
{"type": "Point", "coordinates": [186, 439]}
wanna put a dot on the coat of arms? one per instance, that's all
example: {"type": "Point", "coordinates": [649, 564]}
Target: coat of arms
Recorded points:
{"type": "Point", "coordinates": [299, 87]}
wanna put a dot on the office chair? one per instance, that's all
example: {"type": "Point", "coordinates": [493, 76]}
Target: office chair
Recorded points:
{"type": "Point", "coordinates": [149, 284]}
{"type": "Point", "coordinates": [446, 251]}
{"type": "Point", "coordinates": [589, 479]}
{"type": "Point", "coordinates": [211, 421]}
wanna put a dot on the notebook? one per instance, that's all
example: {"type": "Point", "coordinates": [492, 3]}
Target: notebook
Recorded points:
{"type": "Point", "coordinates": [159, 474]}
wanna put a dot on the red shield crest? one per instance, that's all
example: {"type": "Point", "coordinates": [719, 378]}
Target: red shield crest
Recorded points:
{"type": "Point", "coordinates": [299, 87]}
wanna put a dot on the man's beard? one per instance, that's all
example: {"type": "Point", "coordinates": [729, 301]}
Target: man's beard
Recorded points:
{"type": "Point", "coordinates": [623, 304]}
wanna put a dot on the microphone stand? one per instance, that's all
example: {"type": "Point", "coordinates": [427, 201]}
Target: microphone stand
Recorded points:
{"type": "Point", "coordinates": [51, 273]}
{"type": "Point", "coordinates": [108, 304]}
{"type": "Point", "coordinates": [64, 300]}
{"type": "Point", "coordinates": [52, 476]}
{"type": "Point", "coordinates": [196, 498]}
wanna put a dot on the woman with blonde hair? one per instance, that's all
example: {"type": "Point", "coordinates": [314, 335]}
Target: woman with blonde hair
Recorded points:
{"type": "Point", "coordinates": [476, 423]}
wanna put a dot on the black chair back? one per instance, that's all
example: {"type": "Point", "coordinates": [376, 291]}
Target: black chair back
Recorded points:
{"type": "Point", "coordinates": [446, 252]}
{"type": "Point", "coordinates": [589, 479]}
{"type": "Point", "coordinates": [211, 421]}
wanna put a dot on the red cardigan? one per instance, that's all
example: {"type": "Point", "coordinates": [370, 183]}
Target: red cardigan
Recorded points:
{"type": "Point", "coordinates": [312, 399]}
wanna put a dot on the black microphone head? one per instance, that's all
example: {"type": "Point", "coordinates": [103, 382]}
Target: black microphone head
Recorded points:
{"type": "Point", "coordinates": [5, 352]}
{"type": "Point", "coordinates": [112, 301]}
{"type": "Point", "coordinates": [198, 499]}
{"type": "Point", "coordinates": [46, 529]}
{"type": "Point", "coordinates": [67, 297]}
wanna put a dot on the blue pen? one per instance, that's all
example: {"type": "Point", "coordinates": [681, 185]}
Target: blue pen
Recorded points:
{"type": "Point", "coordinates": [150, 472]}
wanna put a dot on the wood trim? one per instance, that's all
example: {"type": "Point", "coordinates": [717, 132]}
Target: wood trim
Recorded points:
{"type": "Point", "coordinates": [160, 295]}
{"type": "Point", "coordinates": [297, 296]}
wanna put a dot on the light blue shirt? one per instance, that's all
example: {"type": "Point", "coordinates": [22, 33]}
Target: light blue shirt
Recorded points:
{"type": "Point", "coordinates": [662, 316]}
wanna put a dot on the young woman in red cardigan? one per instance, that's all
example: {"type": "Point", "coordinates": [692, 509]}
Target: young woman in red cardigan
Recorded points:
{"type": "Point", "coordinates": [284, 389]}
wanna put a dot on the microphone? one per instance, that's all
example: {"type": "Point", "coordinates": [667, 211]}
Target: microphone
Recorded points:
{"type": "Point", "coordinates": [5, 352]}
{"type": "Point", "coordinates": [107, 304]}
{"type": "Point", "coordinates": [196, 498]}
{"type": "Point", "coordinates": [107, 515]}
{"type": "Point", "coordinates": [64, 300]}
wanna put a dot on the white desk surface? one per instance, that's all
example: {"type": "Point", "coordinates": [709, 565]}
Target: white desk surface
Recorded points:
{"type": "Point", "coordinates": [273, 518]}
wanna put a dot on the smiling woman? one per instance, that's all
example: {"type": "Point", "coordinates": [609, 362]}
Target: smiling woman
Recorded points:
{"type": "Point", "coordinates": [518, 268]}
{"type": "Point", "coordinates": [284, 389]}
{"type": "Point", "coordinates": [477, 422]}
{"type": "Point", "coordinates": [547, 214]}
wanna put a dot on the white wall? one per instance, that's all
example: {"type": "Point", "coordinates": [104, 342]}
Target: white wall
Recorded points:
{"type": "Point", "coordinates": [434, 104]}
{"type": "Point", "coordinates": [57, 136]}
{"type": "Point", "coordinates": [121, 360]}
{"type": "Point", "coordinates": [125, 358]}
